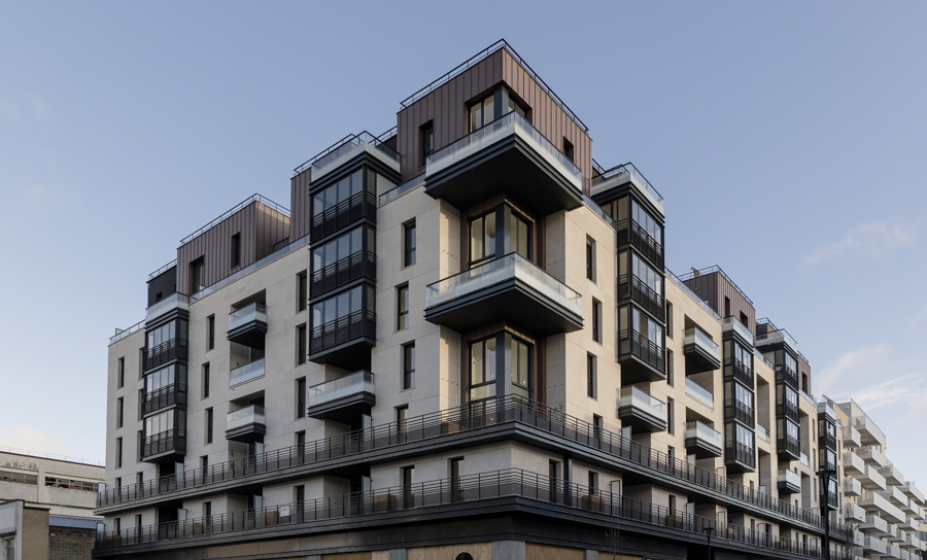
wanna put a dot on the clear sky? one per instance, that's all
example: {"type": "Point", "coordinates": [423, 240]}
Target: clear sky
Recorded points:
{"type": "Point", "coordinates": [788, 139]}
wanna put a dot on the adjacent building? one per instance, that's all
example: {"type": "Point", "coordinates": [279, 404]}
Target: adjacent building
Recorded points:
{"type": "Point", "coordinates": [461, 341]}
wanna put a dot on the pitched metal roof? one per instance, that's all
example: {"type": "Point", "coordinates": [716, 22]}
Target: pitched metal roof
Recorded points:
{"type": "Point", "coordinates": [73, 522]}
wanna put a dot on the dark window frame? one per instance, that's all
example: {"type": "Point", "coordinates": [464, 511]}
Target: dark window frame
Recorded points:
{"type": "Point", "coordinates": [590, 259]}
{"type": "Point", "coordinates": [302, 343]}
{"type": "Point", "coordinates": [235, 256]}
{"type": "Point", "coordinates": [597, 321]}
{"type": "Point", "coordinates": [301, 403]}
{"type": "Point", "coordinates": [210, 421]}
{"type": "Point", "coordinates": [427, 141]}
{"type": "Point", "coordinates": [592, 381]}
{"type": "Point", "coordinates": [403, 303]}
{"type": "Point", "coordinates": [408, 373]}
{"type": "Point", "coordinates": [302, 291]}
{"type": "Point", "coordinates": [409, 243]}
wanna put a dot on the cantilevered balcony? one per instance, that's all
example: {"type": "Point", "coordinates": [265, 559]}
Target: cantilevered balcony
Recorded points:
{"type": "Point", "coordinates": [732, 325]}
{"type": "Point", "coordinates": [895, 496]}
{"type": "Point", "coordinates": [702, 353]}
{"type": "Point", "coordinates": [248, 325]}
{"type": "Point", "coordinates": [506, 156]}
{"type": "Point", "coordinates": [739, 457]}
{"type": "Point", "coordinates": [510, 288]}
{"type": "Point", "coordinates": [913, 491]}
{"type": "Point", "coordinates": [853, 464]}
{"type": "Point", "coordinates": [342, 399]}
{"type": "Point", "coordinates": [874, 503]}
{"type": "Point", "coordinates": [641, 411]}
{"type": "Point", "coordinates": [246, 424]}
{"type": "Point", "coordinates": [872, 456]}
{"type": "Point", "coordinates": [853, 512]}
{"type": "Point", "coordinates": [852, 487]}
{"type": "Point", "coordinates": [641, 359]}
{"type": "Point", "coordinates": [868, 431]}
{"type": "Point", "coordinates": [248, 372]}
{"type": "Point", "coordinates": [871, 479]}
{"type": "Point", "coordinates": [344, 341]}
{"type": "Point", "coordinates": [172, 302]}
{"type": "Point", "coordinates": [360, 264]}
{"type": "Point", "coordinates": [873, 524]}
{"type": "Point", "coordinates": [891, 473]}
{"type": "Point", "coordinates": [350, 148]}
{"type": "Point", "coordinates": [703, 441]}
{"type": "Point", "coordinates": [789, 482]}
{"type": "Point", "coordinates": [737, 410]}
{"type": "Point", "coordinates": [874, 545]}
{"type": "Point", "coordinates": [164, 397]}
{"type": "Point", "coordinates": [788, 447]}
{"type": "Point", "coordinates": [850, 436]}
{"type": "Point", "coordinates": [700, 393]}
{"type": "Point", "coordinates": [164, 446]}
{"type": "Point", "coordinates": [633, 288]}
{"type": "Point", "coordinates": [734, 368]}
{"type": "Point", "coordinates": [773, 337]}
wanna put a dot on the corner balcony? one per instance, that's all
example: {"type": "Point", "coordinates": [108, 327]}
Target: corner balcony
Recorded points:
{"type": "Point", "coordinates": [775, 337]}
{"type": "Point", "coordinates": [703, 441]}
{"type": "Point", "coordinates": [172, 302]}
{"type": "Point", "coordinates": [166, 446]}
{"type": "Point", "coordinates": [633, 288]}
{"type": "Point", "coordinates": [246, 424]}
{"type": "Point", "coordinates": [852, 487]}
{"type": "Point", "coordinates": [173, 349]}
{"type": "Point", "coordinates": [641, 411]}
{"type": "Point", "coordinates": [892, 474]}
{"type": "Point", "coordinates": [248, 372]}
{"type": "Point", "coordinates": [788, 448]}
{"type": "Point", "coordinates": [872, 456]}
{"type": "Point", "coordinates": [360, 264]}
{"type": "Point", "coordinates": [345, 341]}
{"type": "Point", "coordinates": [510, 288]}
{"type": "Point", "coordinates": [164, 397]}
{"type": "Point", "coordinates": [641, 359]}
{"type": "Point", "coordinates": [248, 325]}
{"type": "Point", "coordinates": [789, 482]}
{"type": "Point", "coordinates": [506, 156]}
{"type": "Point", "coordinates": [788, 410]}
{"type": "Point", "coordinates": [853, 464]}
{"type": "Point", "coordinates": [342, 399]}
{"type": "Point", "coordinates": [850, 437]}
{"type": "Point", "coordinates": [870, 433]}
{"type": "Point", "coordinates": [853, 512]}
{"type": "Point", "coordinates": [913, 492]}
{"type": "Point", "coordinates": [874, 524]}
{"type": "Point", "coordinates": [702, 353]}
{"type": "Point", "coordinates": [349, 148]}
{"type": "Point", "coordinates": [739, 457]}
{"type": "Point", "coordinates": [732, 325]}
{"type": "Point", "coordinates": [736, 410]}
{"type": "Point", "coordinates": [734, 368]}
{"type": "Point", "coordinates": [871, 479]}
{"type": "Point", "coordinates": [895, 496]}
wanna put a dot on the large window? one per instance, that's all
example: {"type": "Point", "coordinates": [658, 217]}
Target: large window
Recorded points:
{"type": "Point", "coordinates": [646, 274]}
{"type": "Point", "coordinates": [791, 364]}
{"type": "Point", "coordinates": [741, 355]}
{"type": "Point", "coordinates": [646, 222]}
{"type": "Point", "coordinates": [165, 377]}
{"type": "Point", "coordinates": [517, 233]}
{"type": "Point", "coordinates": [521, 364]}
{"type": "Point", "coordinates": [486, 111]}
{"type": "Point", "coordinates": [165, 422]}
{"type": "Point", "coordinates": [337, 307]}
{"type": "Point", "coordinates": [502, 352]}
{"type": "Point", "coordinates": [645, 326]}
{"type": "Point", "coordinates": [342, 191]}
{"type": "Point", "coordinates": [483, 369]}
{"type": "Point", "coordinates": [484, 235]}
{"type": "Point", "coordinates": [340, 248]}
{"type": "Point", "coordinates": [483, 238]}
{"type": "Point", "coordinates": [743, 395]}
{"type": "Point", "coordinates": [160, 335]}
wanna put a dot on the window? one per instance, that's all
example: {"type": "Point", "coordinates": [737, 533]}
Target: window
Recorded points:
{"type": "Point", "coordinates": [568, 149]}
{"type": "Point", "coordinates": [647, 275]}
{"type": "Point", "coordinates": [517, 233]}
{"type": "Point", "coordinates": [482, 113]}
{"type": "Point", "coordinates": [207, 510]}
{"type": "Point", "coordinates": [804, 382]}
{"type": "Point", "coordinates": [209, 419]}
{"type": "Point", "coordinates": [408, 244]}
{"type": "Point", "coordinates": [454, 475]}
{"type": "Point", "coordinates": [139, 441]}
{"type": "Point", "coordinates": [141, 362]}
{"type": "Point", "coordinates": [590, 259]}
{"type": "Point", "coordinates": [643, 326]}
{"type": "Point", "coordinates": [402, 299]}
{"type": "Point", "coordinates": [408, 366]}
{"type": "Point", "coordinates": [407, 475]}
{"type": "Point", "coordinates": [117, 524]}
{"type": "Point", "coordinates": [197, 276]}
{"type": "Point", "coordinates": [483, 238]}
{"type": "Point", "coordinates": [300, 494]}
{"type": "Point", "coordinates": [335, 258]}
{"type": "Point", "coordinates": [301, 344]}
{"type": "Point", "coordinates": [139, 478]}
{"type": "Point", "coordinates": [646, 223]}
{"type": "Point", "coordinates": [302, 291]}
{"type": "Point", "coordinates": [669, 368]}
{"type": "Point", "coordinates": [118, 453]}
{"type": "Point", "coordinates": [597, 321]}
{"type": "Point", "coordinates": [301, 398]}
{"type": "Point", "coordinates": [672, 503]}
{"type": "Point", "coordinates": [483, 369]}
{"type": "Point", "coordinates": [597, 426]}
{"type": "Point", "coordinates": [591, 381]}
{"type": "Point", "coordinates": [744, 319]}
{"type": "Point", "coordinates": [402, 413]}
{"type": "Point", "coordinates": [70, 484]}
{"type": "Point", "coordinates": [593, 482]}
{"type": "Point", "coordinates": [554, 471]}
{"type": "Point", "coordinates": [325, 202]}
{"type": "Point", "coordinates": [670, 420]}
{"type": "Point", "coordinates": [206, 380]}
{"type": "Point", "coordinates": [339, 308]}
{"type": "Point", "coordinates": [669, 320]}
{"type": "Point", "coordinates": [121, 373]}
{"type": "Point", "coordinates": [428, 141]}
{"type": "Point", "coordinates": [119, 410]}
{"type": "Point", "coordinates": [138, 521]}
{"type": "Point", "coordinates": [727, 306]}
{"type": "Point", "coordinates": [301, 441]}
{"type": "Point", "coordinates": [236, 250]}
{"type": "Point", "coordinates": [204, 462]}
{"type": "Point", "coordinates": [210, 332]}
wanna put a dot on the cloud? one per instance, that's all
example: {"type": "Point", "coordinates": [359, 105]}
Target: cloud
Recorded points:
{"type": "Point", "coordinates": [840, 374]}
{"type": "Point", "coordinates": [905, 390]}
{"type": "Point", "coordinates": [31, 439]}
{"type": "Point", "coordinates": [872, 239]}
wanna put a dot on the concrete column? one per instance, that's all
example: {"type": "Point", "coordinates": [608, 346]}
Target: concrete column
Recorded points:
{"type": "Point", "coordinates": [508, 550]}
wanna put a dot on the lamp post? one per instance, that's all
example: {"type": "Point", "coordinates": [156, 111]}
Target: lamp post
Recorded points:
{"type": "Point", "coordinates": [708, 531]}
{"type": "Point", "coordinates": [824, 476]}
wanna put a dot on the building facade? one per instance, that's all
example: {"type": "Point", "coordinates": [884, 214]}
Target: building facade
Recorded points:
{"type": "Point", "coordinates": [460, 342]}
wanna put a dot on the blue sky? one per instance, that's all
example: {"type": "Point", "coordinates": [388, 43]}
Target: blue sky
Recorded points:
{"type": "Point", "coordinates": [788, 139]}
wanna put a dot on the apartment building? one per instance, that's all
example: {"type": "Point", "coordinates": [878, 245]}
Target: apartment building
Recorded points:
{"type": "Point", "coordinates": [460, 341]}
{"type": "Point", "coordinates": [46, 506]}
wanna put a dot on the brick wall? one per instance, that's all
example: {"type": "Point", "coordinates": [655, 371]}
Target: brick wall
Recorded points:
{"type": "Point", "coordinates": [65, 543]}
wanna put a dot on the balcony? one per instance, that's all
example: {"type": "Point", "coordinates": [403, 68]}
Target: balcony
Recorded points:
{"type": "Point", "coordinates": [762, 432]}
{"type": "Point", "coordinates": [850, 437]}
{"type": "Point", "coordinates": [342, 399]}
{"type": "Point", "coordinates": [703, 441]}
{"type": "Point", "coordinates": [734, 409]}
{"type": "Point", "coordinates": [892, 474]}
{"type": "Point", "coordinates": [739, 457]}
{"type": "Point", "coordinates": [248, 325]}
{"type": "Point", "coordinates": [913, 491]}
{"type": "Point", "coordinates": [788, 410]}
{"type": "Point", "coordinates": [702, 353]}
{"type": "Point", "coordinates": [248, 372]}
{"type": "Point", "coordinates": [358, 206]}
{"type": "Point", "coordinates": [641, 359]}
{"type": "Point", "coordinates": [630, 232]}
{"type": "Point", "coordinates": [609, 179]}
{"type": "Point", "coordinates": [732, 325]}
{"type": "Point", "coordinates": [872, 456]}
{"type": "Point", "coordinates": [874, 524]}
{"type": "Point", "coordinates": [246, 424]}
{"type": "Point", "coordinates": [895, 496]}
{"type": "Point", "coordinates": [631, 287]}
{"type": "Point", "coordinates": [803, 458]}
{"type": "Point", "coordinates": [789, 482]}
{"type": "Point", "coordinates": [775, 337]}
{"type": "Point", "coordinates": [700, 393]}
{"type": "Point", "coordinates": [873, 502]}
{"type": "Point", "coordinates": [166, 352]}
{"type": "Point", "coordinates": [873, 544]}
{"type": "Point", "coordinates": [734, 368]}
{"type": "Point", "coordinates": [788, 447]}
{"type": "Point", "coordinates": [908, 523]}
{"type": "Point", "coordinates": [911, 540]}
{"type": "Point", "coordinates": [344, 342]}
{"type": "Point", "coordinates": [166, 305]}
{"type": "Point", "coordinates": [852, 487]}
{"type": "Point", "coordinates": [870, 433]}
{"type": "Point", "coordinates": [641, 411]}
{"type": "Point", "coordinates": [362, 264]}
{"type": "Point", "coordinates": [871, 479]}
{"type": "Point", "coordinates": [894, 535]}
{"type": "Point", "coordinates": [349, 148]}
{"type": "Point", "coordinates": [164, 447]}
{"type": "Point", "coordinates": [788, 375]}
{"type": "Point", "coordinates": [164, 397]}
{"type": "Point", "coordinates": [853, 464]}
{"type": "Point", "coordinates": [505, 156]}
{"type": "Point", "coordinates": [510, 288]}
{"type": "Point", "coordinates": [853, 512]}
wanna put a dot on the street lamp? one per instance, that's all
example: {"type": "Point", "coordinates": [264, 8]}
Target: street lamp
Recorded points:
{"type": "Point", "coordinates": [824, 477]}
{"type": "Point", "coordinates": [708, 531]}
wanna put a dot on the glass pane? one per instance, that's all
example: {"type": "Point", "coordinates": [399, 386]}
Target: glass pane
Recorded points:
{"type": "Point", "coordinates": [491, 359]}
{"type": "Point", "coordinates": [357, 181]}
{"type": "Point", "coordinates": [318, 204]}
{"type": "Point", "coordinates": [522, 238]}
{"type": "Point", "coordinates": [488, 114]}
{"type": "Point", "coordinates": [476, 363]}
{"type": "Point", "coordinates": [489, 237]}
{"type": "Point", "coordinates": [344, 189]}
{"type": "Point", "coordinates": [476, 117]}
{"type": "Point", "coordinates": [476, 239]}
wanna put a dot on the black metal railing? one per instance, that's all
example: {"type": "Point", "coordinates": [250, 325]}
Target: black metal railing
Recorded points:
{"type": "Point", "coordinates": [734, 368]}
{"type": "Point", "coordinates": [629, 231]}
{"type": "Point", "coordinates": [830, 441]}
{"type": "Point", "coordinates": [280, 244]}
{"type": "Point", "coordinates": [741, 453]}
{"type": "Point", "coordinates": [788, 374]}
{"type": "Point", "coordinates": [737, 410]}
{"type": "Point", "coordinates": [170, 440]}
{"type": "Point", "coordinates": [787, 409]}
{"type": "Point", "coordinates": [362, 264]}
{"type": "Point", "coordinates": [832, 500]}
{"type": "Point", "coordinates": [481, 487]}
{"type": "Point", "coordinates": [241, 205]}
{"type": "Point", "coordinates": [788, 444]}
{"type": "Point", "coordinates": [169, 395]}
{"type": "Point", "coordinates": [635, 344]}
{"type": "Point", "coordinates": [360, 324]}
{"type": "Point", "coordinates": [357, 206]}
{"type": "Point", "coordinates": [173, 349]}
{"type": "Point", "coordinates": [348, 142]}
{"type": "Point", "coordinates": [489, 412]}
{"type": "Point", "coordinates": [632, 287]}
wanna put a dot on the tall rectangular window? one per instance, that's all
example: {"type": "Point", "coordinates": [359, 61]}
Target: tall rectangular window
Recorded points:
{"type": "Point", "coordinates": [209, 416]}
{"type": "Point", "coordinates": [670, 420]}
{"type": "Point", "coordinates": [727, 306]}
{"type": "Point", "coordinates": [407, 475]}
{"type": "Point", "coordinates": [301, 398]}
{"type": "Point", "coordinates": [119, 411]}
{"type": "Point", "coordinates": [483, 238]}
{"type": "Point", "coordinates": [591, 381]}
{"type": "Point", "coordinates": [207, 510]}
{"type": "Point", "coordinates": [597, 425]}
{"type": "Point", "coordinates": [197, 276]}
{"type": "Point", "coordinates": [236, 250]}
{"type": "Point", "coordinates": [590, 258]}
{"type": "Point", "coordinates": [669, 368]}
{"type": "Point", "coordinates": [454, 475]}
{"type": "Point", "coordinates": [402, 307]}
{"type": "Point", "coordinates": [206, 380]}
{"type": "Point", "coordinates": [302, 291]}
{"type": "Point", "coordinates": [210, 332]}
{"type": "Point", "coordinates": [428, 141]}
{"type": "Point", "coordinates": [669, 320]}
{"type": "Point", "coordinates": [301, 440]}
{"type": "Point", "coordinates": [121, 373]}
{"type": "Point", "coordinates": [139, 440]}
{"type": "Point", "coordinates": [408, 366]}
{"type": "Point", "coordinates": [301, 344]}
{"type": "Point", "coordinates": [568, 149]}
{"type": "Point", "coordinates": [408, 244]}
{"type": "Point", "coordinates": [593, 482]}
{"type": "Point", "coordinates": [596, 321]}
{"type": "Point", "coordinates": [119, 453]}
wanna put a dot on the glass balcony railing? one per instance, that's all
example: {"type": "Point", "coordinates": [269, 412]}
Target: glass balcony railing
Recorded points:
{"type": "Point", "coordinates": [763, 433]}
{"type": "Point", "coordinates": [248, 415]}
{"type": "Point", "coordinates": [499, 270]}
{"type": "Point", "coordinates": [732, 324]}
{"type": "Point", "coordinates": [247, 314]}
{"type": "Point", "coordinates": [635, 398]}
{"type": "Point", "coordinates": [776, 336]}
{"type": "Point", "coordinates": [171, 302]}
{"type": "Point", "coordinates": [704, 433]}
{"type": "Point", "coordinates": [357, 382]}
{"type": "Point", "coordinates": [247, 372]}
{"type": "Point", "coordinates": [789, 477]}
{"type": "Point", "coordinates": [347, 149]}
{"type": "Point", "coordinates": [700, 393]}
{"type": "Point", "coordinates": [619, 174]}
{"type": "Point", "coordinates": [803, 457]}
{"type": "Point", "coordinates": [695, 335]}
{"type": "Point", "coordinates": [496, 131]}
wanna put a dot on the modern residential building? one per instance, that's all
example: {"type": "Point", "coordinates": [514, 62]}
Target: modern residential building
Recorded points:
{"type": "Point", "coordinates": [46, 506]}
{"type": "Point", "coordinates": [460, 342]}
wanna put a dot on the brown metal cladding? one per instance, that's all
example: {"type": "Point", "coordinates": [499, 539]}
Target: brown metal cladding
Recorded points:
{"type": "Point", "coordinates": [713, 288]}
{"type": "Point", "coordinates": [260, 228]}
{"type": "Point", "coordinates": [301, 212]}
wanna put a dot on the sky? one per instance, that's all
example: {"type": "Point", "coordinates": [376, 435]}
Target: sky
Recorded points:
{"type": "Point", "coordinates": [787, 138]}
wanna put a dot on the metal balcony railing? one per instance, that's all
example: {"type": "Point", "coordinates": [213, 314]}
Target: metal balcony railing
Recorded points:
{"type": "Point", "coordinates": [357, 382]}
{"type": "Point", "coordinates": [629, 231]}
{"type": "Point", "coordinates": [632, 287]}
{"type": "Point", "coordinates": [163, 397]}
{"type": "Point", "coordinates": [354, 326]}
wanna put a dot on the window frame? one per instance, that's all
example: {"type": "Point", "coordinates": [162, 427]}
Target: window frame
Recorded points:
{"type": "Point", "coordinates": [409, 243]}
{"type": "Point", "coordinates": [408, 374]}
{"type": "Point", "coordinates": [596, 321]}
{"type": "Point", "coordinates": [301, 398]}
{"type": "Point", "coordinates": [302, 291]}
{"type": "Point", "coordinates": [403, 303]}
{"type": "Point", "coordinates": [592, 374]}
{"type": "Point", "coordinates": [590, 259]}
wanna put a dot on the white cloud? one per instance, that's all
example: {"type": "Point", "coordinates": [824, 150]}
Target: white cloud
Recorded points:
{"type": "Point", "coordinates": [873, 239]}
{"type": "Point", "coordinates": [838, 376]}
{"type": "Point", "coordinates": [30, 439]}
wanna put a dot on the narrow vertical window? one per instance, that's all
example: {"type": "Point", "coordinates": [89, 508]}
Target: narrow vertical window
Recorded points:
{"type": "Point", "coordinates": [408, 244]}
{"type": "Point", "coordinates": [197, 276]}
{"type": "Point", "coordinates": [301, 439]}
{"type": "Point", "coordinates": [402, 298]}
{"type": "Point", "coordinates": [669, 368]}
{"type": "Point", "coordinates": [596, 321]}
{"type": "Point", "coordinates": [669, 320]}
{"type": "Point", "coordinates": [209, 425]}
{"type": "Point", "coordinates": [428, 141]}
{"type": "Point", "coordinates": [302, 293]}
{"type": "Point", "coordinates": [590, 258]}
{"type": "Point", "coordinates": [207, 510]}
{"type": "Point", "coordinates": [301, 344]}
{"type": "Point", "coordinates": [301, 398]}
{"type": "Point", "coordinates": [119, 410]}
{"type": "Point", "coordinates": [210, 332]}
{"type": "Point", "coordinates": [597, 424]}
{"type": "Point", "coordinates": [408, 366]}
{"type": "Point", "coordinates": [206, 380]}
{"type": "Point", "coordinates": [593, 482]}
{"type": "Point", "coordinates": [670, 421]}
{"type": "Point", "coordinates": [121, 373]}
{"type": "Point", "coordinates": [401, 414]}
{"type": "Point", "coordinates": [236, 250]}
{"type": "Point", "coordinates": [727, 306]}
{"type": "Point", "coordinates": [454, 475]}
{"type": "Point", "coordinates": [119, 453]}
{"type": "Point", "coordinates": [139, 442]}
{"type": "Point", "coordinates": [568, 149]}
{"type": "Point", "coordinates": [591, 381]}
{"type": "Point", "coordinates": [408, 479]}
